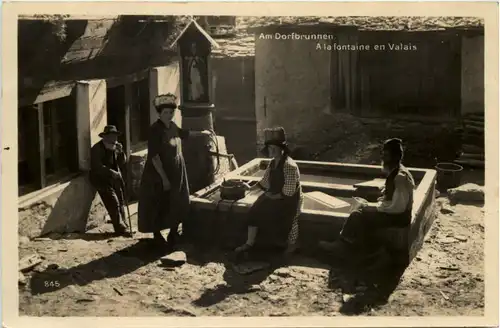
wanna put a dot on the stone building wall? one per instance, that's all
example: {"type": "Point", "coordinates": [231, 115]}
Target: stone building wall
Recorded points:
{"type": "Point", "coordinates": [292, 86]}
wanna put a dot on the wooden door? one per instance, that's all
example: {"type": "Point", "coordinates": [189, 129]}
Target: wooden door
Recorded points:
{"type": "Point", "coordinates": [424, 81]}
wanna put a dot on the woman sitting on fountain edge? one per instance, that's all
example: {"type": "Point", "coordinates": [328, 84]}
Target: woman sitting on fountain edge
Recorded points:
{"type": "Point", "coordinates": [278, 208]}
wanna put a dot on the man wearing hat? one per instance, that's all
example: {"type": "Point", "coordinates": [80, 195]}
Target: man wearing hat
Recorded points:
{"type": "Point", "coordinates": [393, 209]}
{"type": "Point", "coordinates": [276, 211]}
{"type": "Point", "coordinates": [107, 164]}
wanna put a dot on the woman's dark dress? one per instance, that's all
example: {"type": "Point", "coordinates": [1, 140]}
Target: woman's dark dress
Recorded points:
{"type": "Point", "coordinates": [158, 209]}
{"type": "Point", "coordinates": [275, 217]}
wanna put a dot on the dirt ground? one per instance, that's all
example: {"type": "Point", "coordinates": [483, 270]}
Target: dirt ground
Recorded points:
{"type": "Point", "coordinates": [95, 275]}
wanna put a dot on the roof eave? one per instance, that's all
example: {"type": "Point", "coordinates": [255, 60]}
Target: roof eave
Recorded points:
{"type": "Point", "coordinates": [200, 29]}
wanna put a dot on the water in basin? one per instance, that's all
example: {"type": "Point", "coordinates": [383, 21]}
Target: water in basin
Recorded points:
{"type": "Point", "coordinates": [315, 200]}
{"type": "Point", "coordinates": [326, 178]}
{"type": "Point", "coordinates": [318, 201]}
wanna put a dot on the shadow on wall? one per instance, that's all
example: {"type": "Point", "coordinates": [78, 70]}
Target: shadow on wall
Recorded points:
{"type": "Point", "coordinates": [72, 208]}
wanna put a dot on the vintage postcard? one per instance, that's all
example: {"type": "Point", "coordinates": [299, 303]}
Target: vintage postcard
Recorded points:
{"type": "Point", "coordinates": [250, 164]}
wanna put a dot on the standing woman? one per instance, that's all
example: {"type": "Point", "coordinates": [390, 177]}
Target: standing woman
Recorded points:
{"type": "Point", "coordinates": [164, 192]}
{"type": "Point", "coordinates": [278, 208]}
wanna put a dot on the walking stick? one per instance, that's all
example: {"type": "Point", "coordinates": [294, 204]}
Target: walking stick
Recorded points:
{"type": "Point", "coordinates": [126, 206]}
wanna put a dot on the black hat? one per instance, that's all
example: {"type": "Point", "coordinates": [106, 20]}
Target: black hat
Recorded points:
{"type": "Point", "coordinates": [275, 136]}
{"type": "Point", "coordinates": [109, 129]}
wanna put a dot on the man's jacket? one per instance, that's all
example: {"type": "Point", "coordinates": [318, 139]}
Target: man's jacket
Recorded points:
{"type": "Point", "coordinates": [102, 162]}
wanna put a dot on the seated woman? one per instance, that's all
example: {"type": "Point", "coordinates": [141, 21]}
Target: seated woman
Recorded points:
{"type": "Point", "coordinates": [393, 209]}
{"type": "Point", "coordinates": [278, 208]}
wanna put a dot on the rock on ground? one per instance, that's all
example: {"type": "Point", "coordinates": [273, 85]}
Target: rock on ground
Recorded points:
{"type": "Point", "coordinates": [469, 192]}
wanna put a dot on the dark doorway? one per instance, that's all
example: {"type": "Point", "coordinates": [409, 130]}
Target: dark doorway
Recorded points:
{"type": "Point", "coordinates": [29, 171]}
{"type": "Point", "coordinates": [115, 104]}
{"type": "Point", "coordinates": [139, 113]}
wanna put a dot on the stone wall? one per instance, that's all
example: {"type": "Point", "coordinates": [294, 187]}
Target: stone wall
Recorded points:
{"type": "Point", "coordinates": [234, 90]}
{"type": "Point", "coordinates": [73, 206]}
{"type": "Point", "coordinates": [426, 143]}
{"type": "Point", "coordinates": [472, 74]}
{"type": "Point", "coordinates": [292, 86]}
{"type": "Point", "coordinates": [292, 89]}
{"type": "Point", "coordinates": [234, 87]}
{"type": "Point", "coordinates": [164, 80]}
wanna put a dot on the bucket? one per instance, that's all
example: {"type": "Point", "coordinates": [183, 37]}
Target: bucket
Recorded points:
{"type": "Point", "coordinates": [449, 175]}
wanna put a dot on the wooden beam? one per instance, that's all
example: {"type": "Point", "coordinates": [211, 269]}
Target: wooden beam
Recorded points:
{"type": "Point", "coordinates": [365, 89]}
{"type": "Point", "coordinates": [128, 107]}
{"type": "Point", "coordinates": [131, 78]}
{"type": "Point", "coordinates": [353, 65]}
{"type": "Point", "coordinates": [346, 68]}
{"type": "Point", "coordinates": [54, 141]}
{"type": "Point", "coordinates": [334, 73]}
{"type": "Point", "coordinates": [456, 44]}
{"type": "Point", "coordinates": [181, 76]}
{"type": "Point", "coordinates": [128, 147]}
{"type": "Point", "coordinates": [210, 86]}
{"type": "Point", "coordinates": [41, 146]}
{"type": "Point", "coordinates": [200, 29]}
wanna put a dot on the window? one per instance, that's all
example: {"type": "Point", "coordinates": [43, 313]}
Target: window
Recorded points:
{"type": "Point", "coordinates": [135, 97]}
{"type": "Point", "coordinates": [48, 148]}
{"type": "Point", "coordinates": [139, 113]}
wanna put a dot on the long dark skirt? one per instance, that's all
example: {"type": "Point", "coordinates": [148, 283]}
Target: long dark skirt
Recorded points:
{"type": "Point", "coordinates": [158, 209]}
{"type": "Point", "coordinates": [273, 218]}
{"type": "Point", "coordinates": [360, 226]}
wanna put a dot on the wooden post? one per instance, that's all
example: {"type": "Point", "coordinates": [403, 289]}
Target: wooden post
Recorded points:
{"type": "Point", "coordinates": [347, 69]}
{"type": "Point", "coordinates": [456, 44]}
{"type": "Point", "coordinates": [128, 105]}
{"type": "Point", "coordinates": [55, 141]}
{"type": "Point", "coordinates": [126, 133]}
{"type": "Point", "coordinates": [334, 73]}
{"type": "Point", "coordinates": [210, 90]}
{"type": "Point", "coordinates": [41, 146]}
{"type": "Point", "coordinates": [181, 76]}
{"type": "Point", "coordinates": [354, 94]}
{"type": "Point", "coordinates": [365, 89]}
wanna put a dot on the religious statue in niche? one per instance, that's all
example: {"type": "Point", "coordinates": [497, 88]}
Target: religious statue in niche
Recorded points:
{"type": "Point", "coordinates": [195, 76]}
